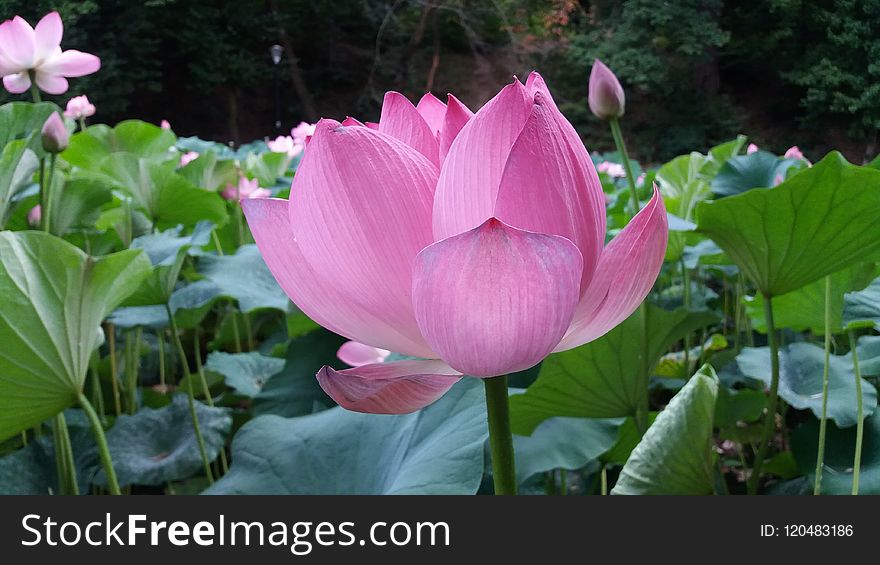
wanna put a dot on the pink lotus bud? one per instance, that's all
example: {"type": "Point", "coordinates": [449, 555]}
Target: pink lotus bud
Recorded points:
{"type": "Point", "coordinates": [794, 152]}
{"type": "Point", "coordinates": [165, 124]}
{"type": "Point", "coordinates": [55, 136]}
{"type": "Point", "coordinates": [35, 215]}
{"type": "Point", "coordinates": [606, 96]}
{"type": "Point", "coordinates": [79, 107]}
{"type": "Point", "coordinates": [188, 158]}
{"type": "Point", "coordinates": [751, 148]}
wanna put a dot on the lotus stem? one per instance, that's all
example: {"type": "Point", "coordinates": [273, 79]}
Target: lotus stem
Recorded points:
{"type": "Point", "coordinates": [101, 440]}
{"type": "Point", "coordinates": [860, 422]}
{"type": "Point", "coordinates": [35, 90]}
{"type": "Point", "coordinates": [64, 450]}
{"type": "Point", "coordinates": [500, 437]}
{"type": "Point", "coordinates": [82, 124]}
{"type": "Point", "coordinates": [161, 335]}
{"type": "Point", "coordinates": [621, 148]}
{"type": "Point", "coordinates": [175, 335]}
{"type": "Point", "coordinates": [114, 370]}
{"type": "Point", "coordinates": [770, 417]}
{"type": "Point", "coordinates": [823, 421]}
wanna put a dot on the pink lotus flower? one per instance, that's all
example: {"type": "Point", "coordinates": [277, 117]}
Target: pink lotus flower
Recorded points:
{"type": "Point", "coordinates": [79, 108]}
{"type": "Point", "coordinates": [357, 354]}
{"type": "Point", "coordinates": [302, 132]}
{"type": "Point", "coordinates": [24, 49]}
{"type": "Point", "coordinates": [793, 152]}
{"type": "Point", "coordinates": [35, 215]}
{"type": "Point", "coordinates": [187, 158]}
{"type": "Point", "coordinates": [614, 170]}
{"type": "Point", "coordinates": [285, 144]}
{"type": "Point", "coordinates": [482, 266]}
{"type": "Point", "coordinates": [165, 124]}
{"type": "Point", "coordinates": [246, 188]}
{"type": "Point", "coordinates": [54, 135]}
{"type": "Point", "coordinates": [751, 148]}
{"type": "Point", "coordinates": [606, 97]}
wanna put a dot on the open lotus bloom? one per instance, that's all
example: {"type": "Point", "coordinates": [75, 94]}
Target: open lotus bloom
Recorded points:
{"type": "Point", "coordinates": [246, 188]}
{"type": "Point", "coordinates": [473, 242]}
{"type": "Point", "coordinates": [25, 49]}
{"type": "Point", "coordinates": [79, 107]}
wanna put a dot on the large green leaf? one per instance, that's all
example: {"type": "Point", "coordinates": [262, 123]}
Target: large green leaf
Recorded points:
{"type": "Point", "coordinates": [563, 443]}
{"type": "Point", "coordinates": [804, 308]}
{"type": "Point", "coordinates": [20, 148]}
{"type": "Point", "coordinates": [23, 120]}
{"type": "Point", "coordinates": [247, 373]}
{"type": "Point", "coordinates": [295, 390]}
{"type": "Point", "coordinates": [755, 170]}
{"type": "Point", "coordinates": [17, 166]}
{"type": "Point", "coordinates": [438, 450]}
{"type": "Point", "coordinates": [862, 308]}
{"type": "Point", "coordinates": [839, 452]}
{"type": "Point", "coordinates": [600, 379]}
{"type": "Point", "coordinates": [801, 369]}
{"type": "Point", "coordinates": [818, 222]}
{"type": "Point", "coordinates": [243, 277]}
{"type": "Point", "coordinates": [155, 446]}
{"type": "Point", "coordinates": [54, 299]}
{"type": "Point", "coordinates": [89, 148]}
{"type": "Point", "coordinates": [210, 173]}
{"type": "Point", "coordinates": [78, 202]}
{"type": "Point", "coordinates": [675, 455]}
{"type": "Point", "coordinates": [868, 351]}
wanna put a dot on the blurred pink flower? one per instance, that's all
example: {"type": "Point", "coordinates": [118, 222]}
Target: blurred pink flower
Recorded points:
{"type": "Point", "coordinates": [357, 354]}
{"type": "Point", "coordinates": [54, 135]}
{"type": "Point", "coordinates": [35, 215]}
{"type": "Point", "coordinates": [79, 107]}
{"type": "Point", "coordinates": [793, 152]}
{"type": "Point", "coordinates": [246, 188]}
{"type": "Point", "coordinates": [188, 158]}
{"type": "Point", "coordinates": [751, 148]}
{"type": "Point", "coordinates": [480, 259]}
{"type": "Point", "coordinates": [614, 170]}
{"type": "Point", "coordinates": [302, 131]}
{"type": "Point", "coordinates": [606, 97]}
{"type": "Point", "coordinates": [24, 49]}
{"type": "Point", "coordinates": [165, 124]}
{"type": "Point", "coordinates": [285, 144]}
{"type": "Point", "coordinates": [640, 180]}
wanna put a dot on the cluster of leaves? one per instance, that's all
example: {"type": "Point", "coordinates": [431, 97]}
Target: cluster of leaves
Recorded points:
{"type": "Point", "coordinates": [149, 301]}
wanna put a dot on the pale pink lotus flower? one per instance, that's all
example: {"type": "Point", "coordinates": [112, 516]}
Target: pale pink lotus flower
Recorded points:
{"type": "Point", "coordinates": [187, 158]}
{"type": "Point", "coordinates": [614, 170]}
{"type": "Point", "coordinates": [246, 188]}
{"type": "Point", "coordinates": [54, 135]}
{"type": "Point", "coordinates": [79, 108]}
{"type": "Point", "coordinates": [751, 148]}
{"type": "Point", "coordinates": [285, 144]}
{"type": "Point", "coordinates": [35, 215]}
{"type": "Point", "coordinates": [606, 97]}
{"type": "Point", "coordinates": [358, 354]}
{"type": "Point", "coordinates": [793, 152]}
{"type": "Point", "coordinates": [25, 49]}
{"type": "Point", "coordinates": [165, 124]}
{"type": "Point", "coordinates": [640, 180]}
{"type": "Point", "coordinates": [481, 267]}
{"type": "Point", "coordinates": [302, 132]}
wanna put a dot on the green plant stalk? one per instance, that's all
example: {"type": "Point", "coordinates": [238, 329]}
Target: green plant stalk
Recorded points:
{"type": "Point", "coordinates": [823, 421]}
{"type": "Point", "coordinates": [686, 299]}
{"type": "Point", "coordinates": [60, 459]}
{"type": "Point", "coordinates": [63, 436]}
{"type": "Point", "coordinates": [114, 370]}
{"type": "Point", "coordinates": [249, 331]}
{"type": "Point", "coordinates": [500, 437]}
{"type": "Point", "coordinates": [82, 124]}
{"type": "Point", "coordinates": [175, 335]}
{"type": "Point", "coordinates": [35, 90]}
{"type": "Point", "coordinates": [235, 331]}
{"type": "Point", "coordinates": [161, 335]}
{"type": "Point", "coordinates": [604, 475]}
{"type": "Point", "coordinates": [770, 417]}
{"type": "Point", "coordinates": [101, 440]}
{"type": "Point", "coordinates": [216, 241]}
{"type": "Point", "coordinates": [644, 406]}
{"type": "Point", "coordinates": [200, 369]}
{"type": "Point", "coordinates": [46, 194]}
{"type": "Point", "coordinates": [860, 422]}
{"type": "Point", "coordinates": [24, 439]}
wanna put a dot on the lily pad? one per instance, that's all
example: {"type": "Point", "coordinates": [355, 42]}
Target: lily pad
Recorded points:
{"type": "Point", "coordinates": [247, 373]}
{"type": "Point", "coordinates": [155, 446]}
{"type": "Point", "coordinates": [862, 309]}
{"type": "Point", "coordinates": [54, 299]}
{"type": "Point", "coordinates": [760, 169]}
{"type": "Point", "coordinates": [675, 455]}
{"type": "Point", "coordinates": [438, 450]}
{"type": "Point", "coordinates": [801, 368]}
{"type": "Point", "coordinates": [818, 222]}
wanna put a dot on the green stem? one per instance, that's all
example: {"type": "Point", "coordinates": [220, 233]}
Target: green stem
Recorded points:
{"type": "Point", "coordinates": [621, 148]}
{"type": "Point", "coordinates": [24, 439]}
{"type": "Point", "coordinates": [161, 336]}
{"type": "Point", "coordinates": [114, 370]}
{"type": "Point", "coordinates": [641, 415]}
{"type": "Point", "coordinates": [175, 335]}
{"type": "Point", "coordinates": [46, 212]}
{"type": "Point", "coordinates": [249, 331]}
{"type": "Point", "coordinates": [60, 459]}
{"type": "Point", "coordinates": [860, 422]}
{"type": "Point", "coordinates": [82, 124]}
{"type": "Point", "coordinates": [200, 369]}
{"type": "Point", "coordinates": [604, 476]}
{"type": "Point", "coordinates": [500, 438]}
{"type": "Point", "coordinates": [686, 299]}
{"type": "Point", "coordinates": [71, 486]}
{"type": "Point", "coordinates": [35, 90]}
{"type": "Point", "coordinates": [216, 240]}
{"type": "Point", "coordinates": [770, 417]}
{"type": "Point", "coordinates": [823, 421]}
{"type": "Point", "coordinates": [101, 440]}
{"type": "Point", "coordinates": [235, 331]}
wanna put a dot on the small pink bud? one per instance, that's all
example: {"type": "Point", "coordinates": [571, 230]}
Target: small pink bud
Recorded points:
{"type": "Point", "coordinates": [606, 96]}
{"type": "Point", "coordinates": [794, 152]}
{"type": "Point", "coordinates": [55, 136]}
{"type": "Point", "coordinates": [165, 124]}
{"type": "Point", "coordinates": [35, 215]}
{"type": "Point", "coordinates": [751, 148]}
